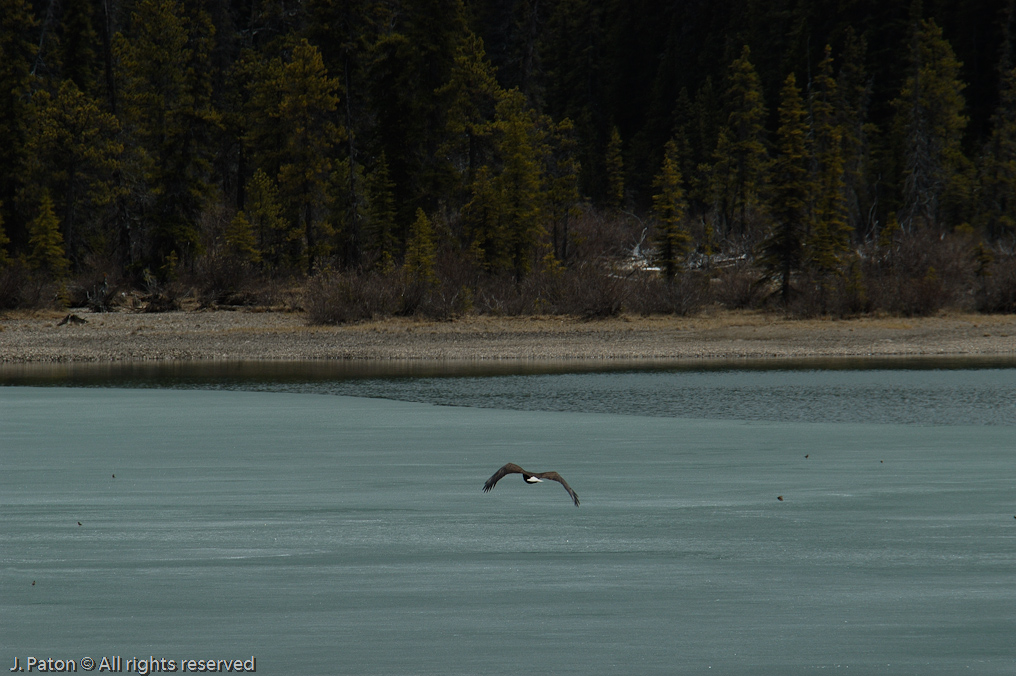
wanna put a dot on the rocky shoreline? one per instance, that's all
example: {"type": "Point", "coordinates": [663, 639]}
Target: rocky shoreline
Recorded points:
{"type": "Point", "coordinates": [253, 335]}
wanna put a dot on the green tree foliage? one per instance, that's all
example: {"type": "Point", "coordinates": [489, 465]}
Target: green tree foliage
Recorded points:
{"type": "Point", "coordinates": [46, 251]}
{"type": "Point", "coordinates": [782, 252]}
{"type": "Point", "coordinates": [615, 171]}
{"type": "Point", "coordinates": [293, 132]}
{"type": "Point", "coordinates": [930, 121]}
{"type": "Point", "coordinates": [17, 53]}
{"type": "Point", "coordinates": [504, 214]}
{"type": "Point", "coordinates": [470, 101]}
{"type": "Point", "coordinates": [4, 242]}
{"type": "Point", "coordinates": [264, 212]}
{"type": "Point", "coordinates": [380, 233]}
{"type": "Point", "coordinates": [165, 90]}
{"type": "Point", "coordinates": [740, 162]}
{"type": "Point", "coordinates": [519, 144]}
{"type": "Point", "coordinates": [672, 237]}
{"type": "Point", "coordinates": [998, 165]}
{"type": "Point", "coordinates": [829, 232]}
{"type": "Point", "coordinates": [853, 101]}
{"type": "Point", "coordinates": [73, 154]}
{"type": "Point", "coordinates": [78, 38]}
{"type": "Point", "coordinates": [421, 252]}
{"type": "Point", "coordinates": [240, 241]}
{"type": "Point", "coordinates": [562, 179]}
{"type": "Point", "coordinates": [503, 117]}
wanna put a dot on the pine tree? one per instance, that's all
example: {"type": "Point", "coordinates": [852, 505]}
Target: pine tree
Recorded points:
{"type": "Point", "coordinates": [165, 86]}
{"type": "Point", "coordinates": [740, 162]}
{"type": "Point", "coordinates": [17, 53]}
{"type": "Point", "coordinates": [240, 241]}
{"type": "Point", "coordinates": [782, 251]}
{"type": "Point", "coordinates": [46, 251]}
{"type": "Point", "coordinates": [998, 166]}
{"type": "Point", "coordinates": [74, 154]}
{"type": "Point", "coordinates": [503, 217]}
{"type": "Point", "coordinates": [293, 131]}
{"type": "Point", "coordinates": [829, 234]}
{"type": "Point", "coordinates": [421, 253]}
{"type": "Point", "coordinates": [853, 100]}
{"type": "Point", "coordinates": [562, 172]}
{"type": "Point", "coordinates": [930, 121]}
{"type": "Point", "coordinates": [264, 212]}
{"type": "Point", "coordinates": [4, 243]}
{"type": "Point", "coordinates": [470, 97]}
{"type": "Point", "coordinates": [380, 232]}
{"type": "Point", "coordinates": [519, 141]}
{"type": "Point", "coordinates": [484, 216]}
{"type": "Point", "coordinates": [615, 171]}
{"type": "Point", "coordinates": [670, 207]}
{"type": "Point", "coordinates": [78, 38]}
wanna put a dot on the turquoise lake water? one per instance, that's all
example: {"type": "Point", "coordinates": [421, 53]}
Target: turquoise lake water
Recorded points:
{"type": "Point", "coordinates": [335, 525]}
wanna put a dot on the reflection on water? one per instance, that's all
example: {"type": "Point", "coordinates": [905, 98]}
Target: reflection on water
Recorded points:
{"type": "Point", "coordinates": [922, 390]}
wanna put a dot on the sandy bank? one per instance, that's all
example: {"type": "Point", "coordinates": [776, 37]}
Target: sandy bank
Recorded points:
{"type": "Point", "coordinates": [241, 335]}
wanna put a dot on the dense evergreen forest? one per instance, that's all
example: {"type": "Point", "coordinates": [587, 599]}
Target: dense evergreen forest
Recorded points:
{"type": "Point", "coordinates": [509, 156]}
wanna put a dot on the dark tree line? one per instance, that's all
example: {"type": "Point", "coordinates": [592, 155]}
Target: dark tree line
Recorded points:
{"type": "Point", "coordinates": [500, 154]}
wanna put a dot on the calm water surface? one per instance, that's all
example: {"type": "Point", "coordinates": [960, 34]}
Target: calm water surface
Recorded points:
{"type": "Point", "coordinates": [347, 534]}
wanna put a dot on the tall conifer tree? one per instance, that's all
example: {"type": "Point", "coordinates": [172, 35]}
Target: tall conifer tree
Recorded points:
{"type": "Point", "coordinates": [615, 171]}
{"type": "Point", "coordinates": [829, 232]}
{"type": "Point", "coordinates": [930, 120]}
{"type": "Point", "coordinates": [17, 53]}
{"type": "Point", "coordinates": [998, 165]}
{"type": "Point", "coordinates": [740, 160]}
{"type": "Point", "coordinates": [670, 207]}
{"type": "Point", "coordinates": [782, 251]}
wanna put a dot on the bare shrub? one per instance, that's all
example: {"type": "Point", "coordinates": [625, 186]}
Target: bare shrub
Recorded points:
{"type": "Point", "coordinates": [997, 292]}
{"type": "Point", "coordinates": [343, 298]}
{"type": "Point", "coordinates": [592, 290]}
{"type": "Point", "coordinates": [737, 287]}
{"type": "Point", "coordinates": [922, 274]}
{"type": "Point", "coordinates": [653, 294]}
{"type": "Point", "coordinates": [23, 288]}
{"type": "Point", "coordinates": [599, 236]}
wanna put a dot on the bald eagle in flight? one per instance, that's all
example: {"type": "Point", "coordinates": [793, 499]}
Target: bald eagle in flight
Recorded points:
{"type": "Point", "coordinates": [530, 477]}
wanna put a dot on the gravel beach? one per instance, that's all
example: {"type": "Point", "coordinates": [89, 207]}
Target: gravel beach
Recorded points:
{"type": "Point", "coordinates": [250, 335]}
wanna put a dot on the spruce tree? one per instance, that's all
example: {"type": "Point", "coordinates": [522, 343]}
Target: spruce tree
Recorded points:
{"type": "Point", "coordinates": [519, 143]}
{"type": "Point", "coordinates": [740, 162]}
{"type": "Point", "coordinates": [292, 131]}
{"type": "Point", "coordinates": [240, 241]}
{"type": "Point", "coordinates": [470, 101]}
{"type": "Point", "coordinates": [853, 100]}
{"type": "Point", "coordinates": [78, 38]}
{"type": "Point", "coordinates": [615, 171]}
{"type": "Point", "coordinates": [998, 166]}
{"type": "Point", "coordinates": [421, 252]}
{"type": "Point", "coordinates": [562, 175]}
{"type": "Point", "coordinates": [4, 243]}
{"type": "Point", "coordinates": [380, 232]}
{"type": "Point", "coordinates": [782, 251]}
{"type": "Point", "coordinates": [829, 233]}
{"type": "Point", "coordinates": [670, 208]}
{"type": "Point", "coordinates": [930, 120]}
{"type": "Point", "coordinates": [74, 154]}
{"type": "Point", "coordinates": [272, 231]}
{"type": "Point", "coordinates": [165, 91]}
{"type": "Point", "coordinates": [45, 243]}
{"type": "Point", "coordinates": [17, 54]}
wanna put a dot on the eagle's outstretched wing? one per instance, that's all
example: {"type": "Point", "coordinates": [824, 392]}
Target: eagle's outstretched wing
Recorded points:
{"type": "Point", "coordinates": [554, 476]}
{"type": "Point", "coordinates": [510, 468]}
